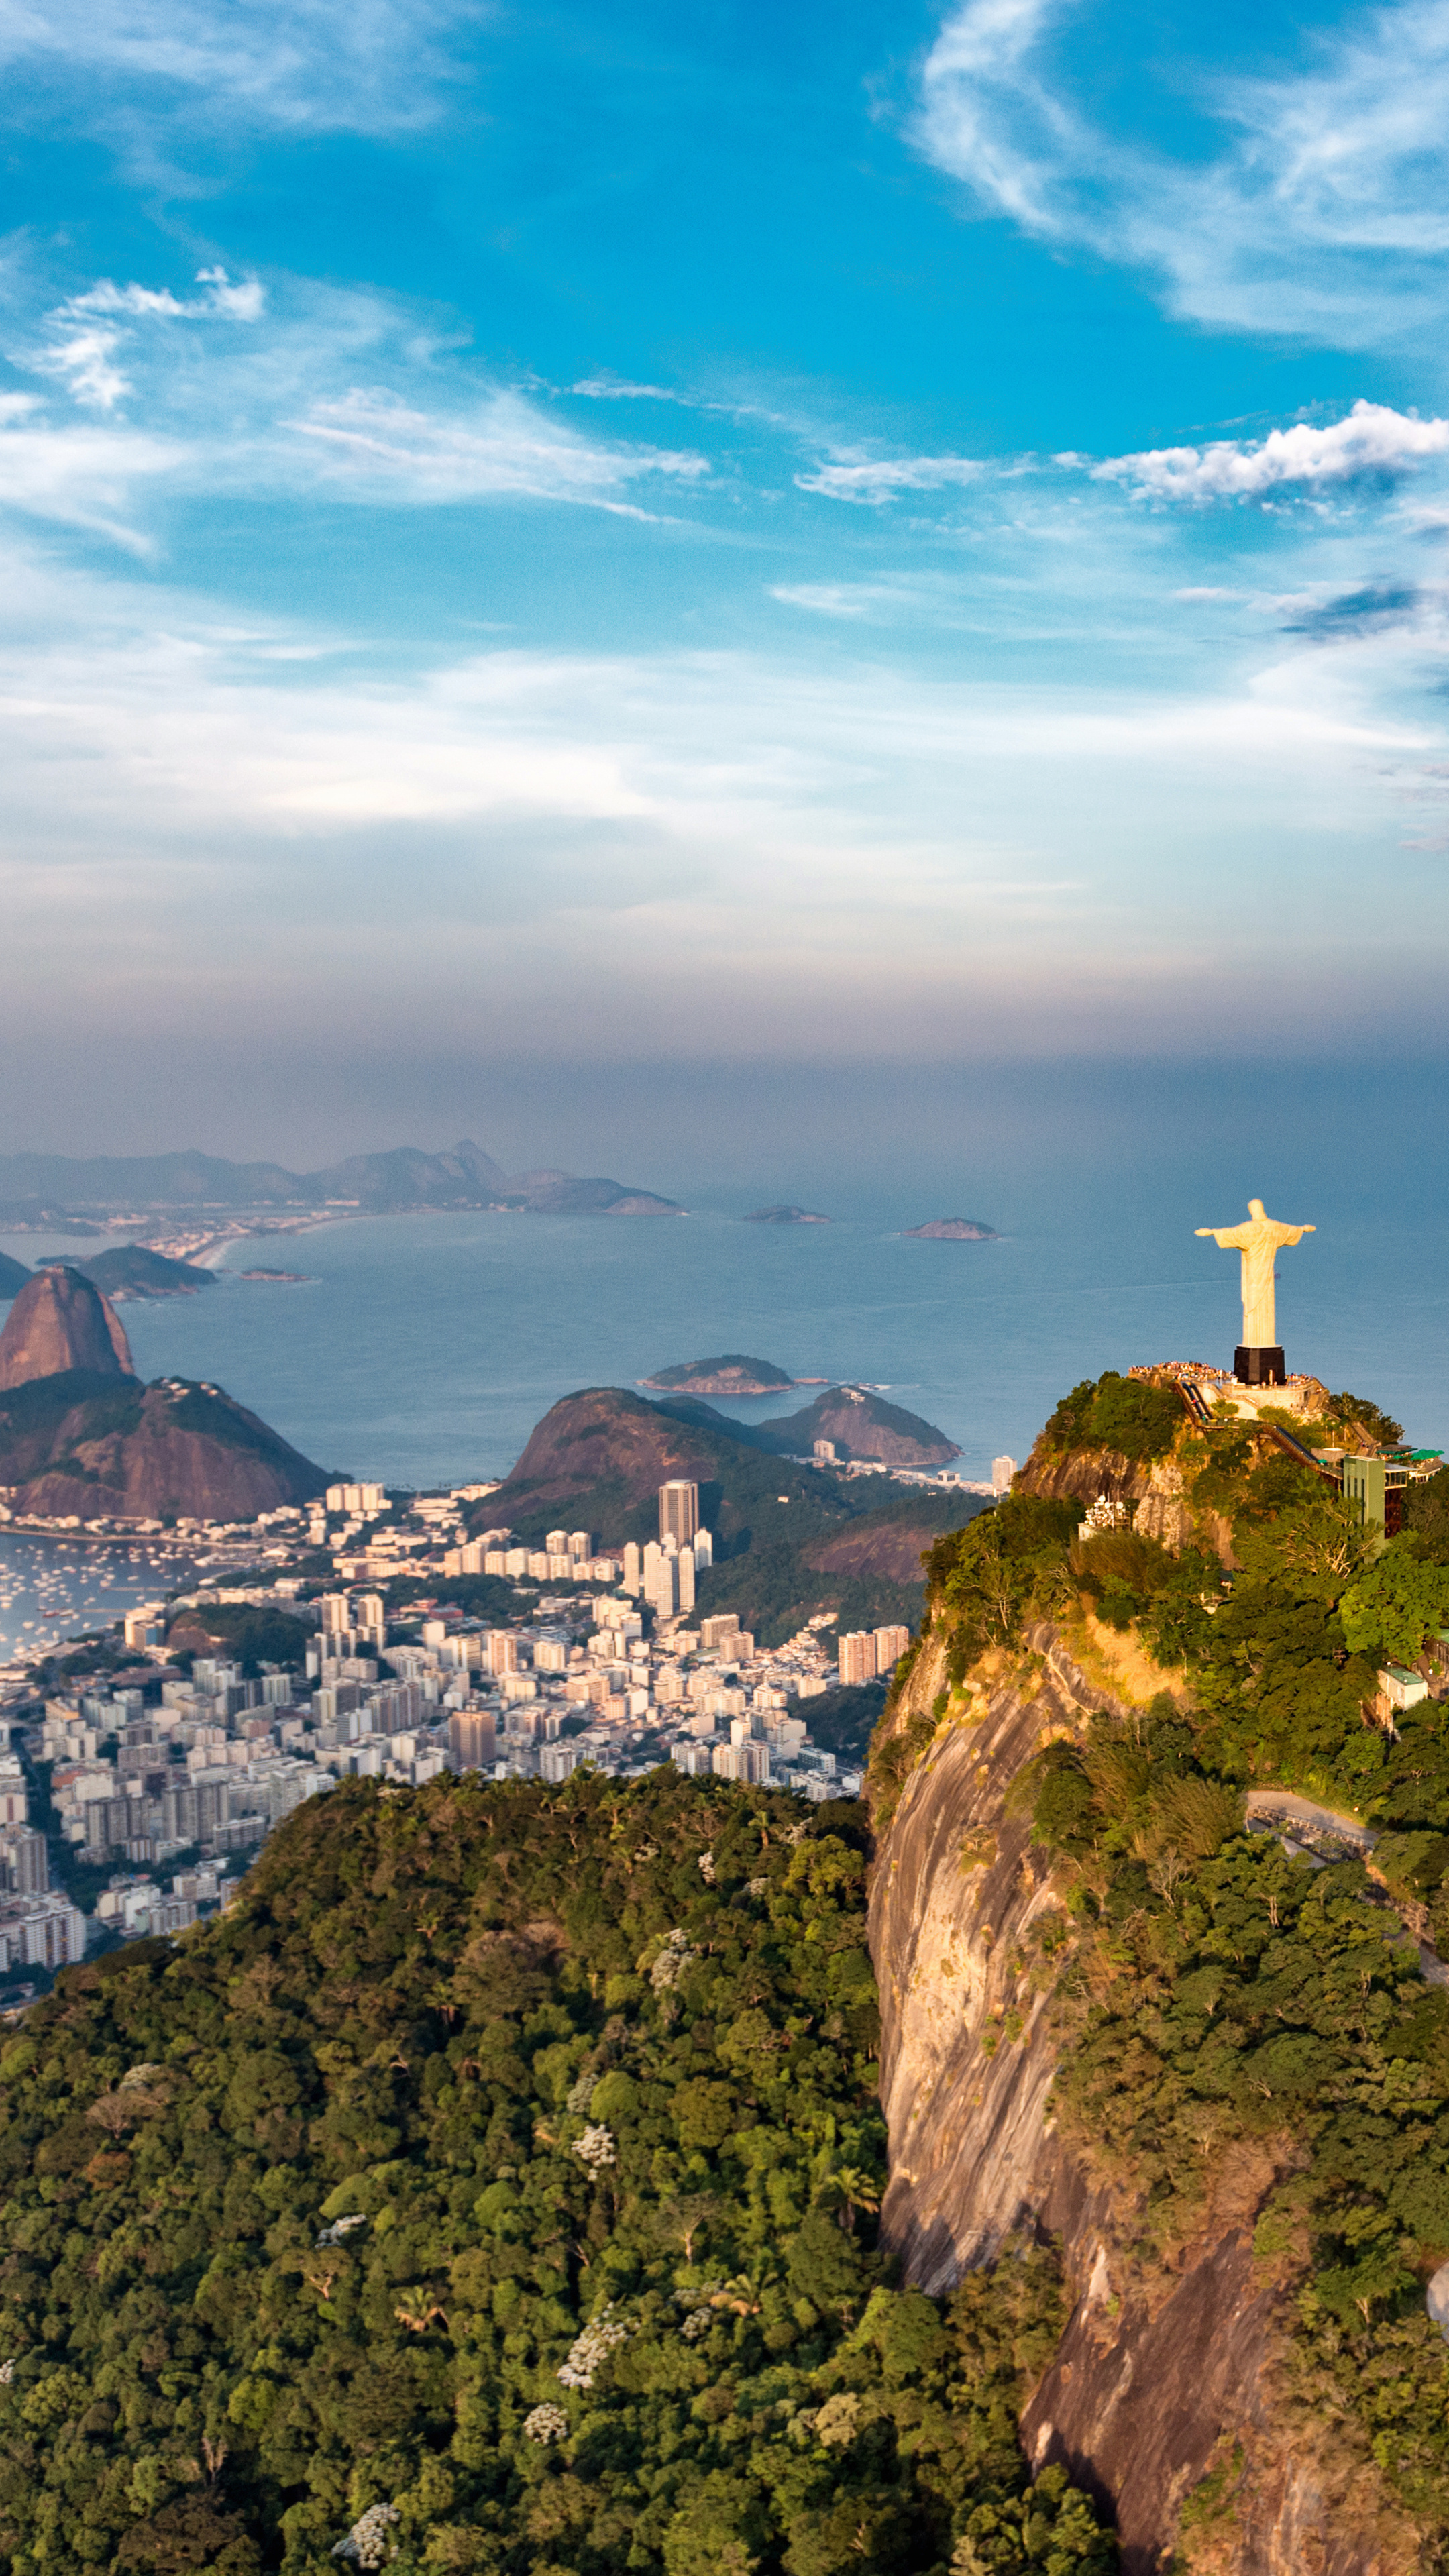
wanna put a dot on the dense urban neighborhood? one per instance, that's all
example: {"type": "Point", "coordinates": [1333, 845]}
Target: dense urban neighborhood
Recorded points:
{"type": "Point", "coordinates": [143, 1769]}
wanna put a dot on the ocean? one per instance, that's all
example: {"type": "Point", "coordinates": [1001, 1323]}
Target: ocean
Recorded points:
{"type": "Point", "coordinates": [422, 1350]}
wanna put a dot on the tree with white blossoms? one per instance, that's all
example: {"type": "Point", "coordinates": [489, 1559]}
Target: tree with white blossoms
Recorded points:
{"type": "Point", "coordinates": [590, 2350]}
{"type": "Point", "coordinates": [367, 2543]}
{"type": "Point", "coordinates": [596, 2147]}
{"type": "Point", "coordinates": [671, 1963]}
{"type": "Point", "coordinates": [341, 2227]}
{"type": "Point", "coordinates": [545, 2424]}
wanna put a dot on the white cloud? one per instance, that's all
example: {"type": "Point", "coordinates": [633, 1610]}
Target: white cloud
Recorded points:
{"type": "Point", "coordinates": [614, 389]}
{"type": "Point", "coordinates": [231, 388]}
{"type": "Point", "coordinates": [589, 848]}
{"type": "Point", "coordinates": [378, 445]}
{"type": "Point", "coordinates": [82, 475]}
{"type": "Point", "coordinates": [876, 480]}
{"type": "Point", "coordinates": [1323, 210]}
{"type": "Point", "coordinates": [1372, 443]}
{"type": "Point", "coordinates": [853, 599]}
{"type": "Point", "coordinates": [87, 332]}
{"type": "Point", "coordinates": [370, 66]}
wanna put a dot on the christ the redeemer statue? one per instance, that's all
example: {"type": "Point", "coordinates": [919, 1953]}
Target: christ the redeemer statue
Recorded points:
{"type": "Point", "coordinates": [1259, 1360]}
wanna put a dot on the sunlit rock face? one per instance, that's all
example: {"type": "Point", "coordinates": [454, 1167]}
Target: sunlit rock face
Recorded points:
{"type": "Point", "coordinates": [60, 1321]}
{"type": "Point", "coordinates": [1160, 2365]}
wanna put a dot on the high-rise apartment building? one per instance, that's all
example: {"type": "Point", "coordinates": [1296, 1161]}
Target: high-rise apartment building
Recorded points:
{"type": "Point", "coordinates": [746, 1761]}
{"type": "Point", "coordinates": [856, 1654]}
{"type": "Point", "coordinates": [716, 1632]}
{"type": "Point", "coordinates": [890, 1645]}
{"type": "Point", "coordinates": [693, 1759]}
{"type": "Point", "coordinates": [1002, 1471]}
{"type": "Point", "coordinates": [660, 1579]}
{"type": "Point", "coordinates": [502, 1651]}
{"type": "Point", "coordinates": [473, 1737]}
{"type": "Point", "coordinates": [24, 1863]}
{"type": "Point", "coordinates": [679, 1510]}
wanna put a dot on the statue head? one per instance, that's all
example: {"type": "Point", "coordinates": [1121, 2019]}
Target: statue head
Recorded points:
{"type": "Point", "coordinates": [1255, 1207]}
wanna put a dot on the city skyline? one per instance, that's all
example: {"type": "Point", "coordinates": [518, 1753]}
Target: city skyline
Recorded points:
{"type": "Point", "coordinates": [907, 537]}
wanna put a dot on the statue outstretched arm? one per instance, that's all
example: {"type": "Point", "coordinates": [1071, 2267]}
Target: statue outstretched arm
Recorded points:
{"type": "Point", "coordinates": [1229, 1238]}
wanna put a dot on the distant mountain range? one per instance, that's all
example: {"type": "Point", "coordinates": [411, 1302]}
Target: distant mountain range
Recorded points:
{"type": "Point", "coordinates": [36, 1188]}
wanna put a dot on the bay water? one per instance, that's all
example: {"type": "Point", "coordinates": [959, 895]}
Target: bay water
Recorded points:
{"type": "Point", "coordinates": [422, 1350]}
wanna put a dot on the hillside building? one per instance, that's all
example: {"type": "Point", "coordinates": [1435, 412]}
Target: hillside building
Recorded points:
{"type": "Point", "coordinates": [679, 1511]}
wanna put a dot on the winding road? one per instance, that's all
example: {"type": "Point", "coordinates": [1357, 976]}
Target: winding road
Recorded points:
{"type": "Point", "coordinates": [1284, 1806]}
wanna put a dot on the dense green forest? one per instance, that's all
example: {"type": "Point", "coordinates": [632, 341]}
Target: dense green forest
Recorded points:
{"type": "Point", "coordinates": [493, 2188]}
{"type": "Point", "coordinates": [1218, 2001]}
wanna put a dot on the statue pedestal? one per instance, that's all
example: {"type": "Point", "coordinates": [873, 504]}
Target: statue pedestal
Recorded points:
{"type": "Point", "coordinates": [1260, 1364]}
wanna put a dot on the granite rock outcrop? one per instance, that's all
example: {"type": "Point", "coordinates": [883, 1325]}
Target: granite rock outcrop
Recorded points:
{"type": "Point", "coordinates": [61, 1321]}
{"type": "Point", "coordinates": [1162, 2371]}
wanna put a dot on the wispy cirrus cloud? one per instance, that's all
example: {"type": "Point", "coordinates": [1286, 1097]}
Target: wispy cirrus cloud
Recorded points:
{"type": "Point", "coordinates": [871, 481]}
{"type": "Point", "coordinates": [617, 389]}
{"type": "Point", "coordinates": [83, 336]}
{"type": "Point", "coordinates": [80, 474]}
{"type": "Point", "coordinates": [1373, 443]}
{"type": "Point", "coordinates": [380, 446]}
{"type": "Point", "coordinates": [1380, 608]}
{"type": "Point", "coordinates": [1320, 207]}
{"type": "Point", "coordinates": [224, 386]}
{"type": "Point", "coordinates": [309, 66]}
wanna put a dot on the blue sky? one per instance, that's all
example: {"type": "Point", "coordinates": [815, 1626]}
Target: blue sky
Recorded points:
{"type": "Point", "coordinates": [588, 536]}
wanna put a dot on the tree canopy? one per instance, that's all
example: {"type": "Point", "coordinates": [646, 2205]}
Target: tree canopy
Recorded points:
{"type": "Point", "coordinates": [494, 2188]}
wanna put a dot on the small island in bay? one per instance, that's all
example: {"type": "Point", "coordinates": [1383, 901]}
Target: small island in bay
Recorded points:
{"type": "Point", "coordinates": [730, 1374]}
{"type": "Point", "coordinates": [290, 1278]}
{"type": "Point", "coordinates": [954, 1229]}
{"type": "Point", "coordinates": [133, 1270]}
{"type": "Point", "coordinates": [784, 1216]}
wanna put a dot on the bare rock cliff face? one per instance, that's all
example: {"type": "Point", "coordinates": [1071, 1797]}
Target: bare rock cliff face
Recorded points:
{"type": "Point", "coordinates": [1157, 1491]}
{"type": "Point", "coordinates": [1150, 2377]}
{"type": "Point", "coordinates": [60, 1321]}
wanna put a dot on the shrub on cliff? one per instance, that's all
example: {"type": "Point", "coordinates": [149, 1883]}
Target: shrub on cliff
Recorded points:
{"type": "Point", "coordinates": [1126, 1415]}
{"type": "Point", "coordinates": [985, 1578]}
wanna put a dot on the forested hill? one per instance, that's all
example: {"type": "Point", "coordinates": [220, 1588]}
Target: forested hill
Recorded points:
{"type": "Point", "coordinates": [494, 2189]}
{"type": "Point", "coordinates": [789, 1539]}
{"type": "Point", "coordinates": [1214, 2048]}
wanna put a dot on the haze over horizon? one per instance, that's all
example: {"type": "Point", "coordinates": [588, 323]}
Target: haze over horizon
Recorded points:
{"type": "Point", "coordinates": [548, 555]}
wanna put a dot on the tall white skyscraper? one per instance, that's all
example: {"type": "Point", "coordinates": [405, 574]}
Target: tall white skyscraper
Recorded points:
{"type": "Point", "coordinates": [1002, 1471]}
